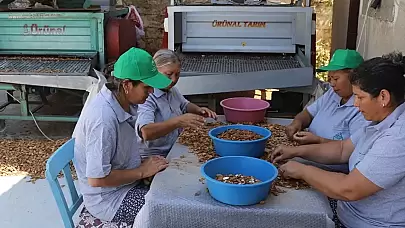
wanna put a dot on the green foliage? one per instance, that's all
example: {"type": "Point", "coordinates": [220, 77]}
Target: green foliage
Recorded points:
{"type": "Point", "coordinates": [323, 10]}
{"type": "Point", "coordinates": [322, 57]}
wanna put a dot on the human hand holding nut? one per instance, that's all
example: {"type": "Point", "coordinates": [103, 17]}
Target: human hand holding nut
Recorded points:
{"type": "Point", "coordinates": [291, 129]}
{"type": "Point", "coordinates": [190, 120]}
{"type": "Point", "coordinates": [292, 169]}
{"type": "Point", "coordinates": [304, 138]}
{"type": "Point", "coordinates": [282, 153]}
{"type": "Point", "coordinates": [206, 112]}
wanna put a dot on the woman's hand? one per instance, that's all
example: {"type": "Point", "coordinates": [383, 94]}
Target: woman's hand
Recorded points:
{"type": "Point", "coordinates": [153, 165]}
{"type": "Point", "coordinates": [206, 112]}
{"type": "Point", "coordinates": [303, 138]}
{"type": "Point", "coordinates": [282, 153]}
{"type": "Point", "coordinates": [292, 169]}
{"type": "Point", "coordinates": [291, 129]}
{"type": "Point", "coordinates": [190, 120]}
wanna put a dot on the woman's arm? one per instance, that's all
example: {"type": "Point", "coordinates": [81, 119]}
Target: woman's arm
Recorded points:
{"type": "Point", "coordinates": [148, 168]}
{"type": "Point", "coordinates": [154, 131]}
{"type": "Point", "coordinates": [381, 168]}
{"type": "Point", "coordinates": [188, 107]}
{"type": "Point", "coordinates": [302, 120]}
{"type": "Point", "coordinates": [117, 178]}
{"type": "Point", "coordinates": [148, 130]}
{"type": "Point", "coordinates": [325, 140]}
{"type": "Point", "coordinates": [145, 125]}
{"type": "Point", "coordinates": [352, 187]}
{"type": "Point", "coordinates": [205, 112]}
{"type": "Point", "coordinates": [193, 108]}
{"type": "Point", "coordinates": [336, 152]}
{"type": "Point", "coordinates": [305, 138]}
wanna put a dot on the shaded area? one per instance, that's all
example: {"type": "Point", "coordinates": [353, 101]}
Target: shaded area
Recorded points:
{"type": "Point", "coordinates": [26, 157]}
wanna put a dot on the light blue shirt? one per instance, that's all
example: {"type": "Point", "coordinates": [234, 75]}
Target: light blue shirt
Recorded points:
{"type": "Point", "coordinates": [380, 156]}
{"type": "Point", "coordinates": [332, 120]}
{"type": "Point", "coordinates": [105, 140]}
{"type": "Point", "coordinates": [161, 106]}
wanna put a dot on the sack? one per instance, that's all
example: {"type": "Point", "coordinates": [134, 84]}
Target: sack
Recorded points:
{"type": "Point", "coordinates": [93, 90]}
{"type": "Point", "coordinates": [320, 89]}
{"type": "Point", "coordinates": [136, 17]}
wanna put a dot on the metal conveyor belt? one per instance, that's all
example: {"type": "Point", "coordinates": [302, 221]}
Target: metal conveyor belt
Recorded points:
{"type": "Point", "coordinates": [52, 66]}
{"type": "Point", "coordinates": [222, 63]}
{"type": "Point", "coordinates": [48, 71]}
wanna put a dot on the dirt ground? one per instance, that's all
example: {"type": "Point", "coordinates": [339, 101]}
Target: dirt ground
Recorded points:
{"type": "Point", "coordinates": [23, 148]}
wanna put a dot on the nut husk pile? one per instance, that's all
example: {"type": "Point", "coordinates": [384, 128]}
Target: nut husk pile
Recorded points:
{"type": "Point", "coordinates": [239, 135]}
{"type": "Point", "coordinates": [237, 179]}
{"type": "Point", "coordinates": [27, 157]}
{"type": "Point", "coordinates": [200, 144]}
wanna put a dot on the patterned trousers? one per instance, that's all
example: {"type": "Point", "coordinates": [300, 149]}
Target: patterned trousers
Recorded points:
{"type": "Point", "coordinates": [333, 205]}
{"type": "Point", "coordinates": [131, 205]}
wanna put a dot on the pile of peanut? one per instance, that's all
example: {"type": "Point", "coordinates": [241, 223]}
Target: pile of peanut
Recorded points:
{"type": "Point", "coordinates": [27, 157]}
{"type": "Point", "coordinates": [239, 135]}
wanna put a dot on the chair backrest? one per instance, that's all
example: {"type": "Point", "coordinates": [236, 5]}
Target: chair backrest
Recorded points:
{"type": "Point", "coordinates": [60, 161]}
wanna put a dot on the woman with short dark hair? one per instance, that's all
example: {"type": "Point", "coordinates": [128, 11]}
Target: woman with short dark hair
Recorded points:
{"type": "Point", "coordinates": [373, 193]}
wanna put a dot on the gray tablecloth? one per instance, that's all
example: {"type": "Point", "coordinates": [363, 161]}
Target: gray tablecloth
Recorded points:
{"type": "Point", "coordinates": [178, 199]}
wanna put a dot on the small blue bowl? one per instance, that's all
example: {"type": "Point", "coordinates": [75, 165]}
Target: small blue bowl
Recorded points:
{"type": "Point", "coordinates": [234, 194]}
{"type": "Point", "coordinates": [254, 148]}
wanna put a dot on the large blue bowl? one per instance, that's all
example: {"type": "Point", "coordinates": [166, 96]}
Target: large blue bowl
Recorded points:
{"type": "Point", "coordinates": [254, 148]}
{"type": "Point", "coordinates": [234, 194]}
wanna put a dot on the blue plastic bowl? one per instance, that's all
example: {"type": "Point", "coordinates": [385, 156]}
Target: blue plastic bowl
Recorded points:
{"type": "Point", "coordinates": [239, 195]}
{"type": "Point", "coordinates": [254, 148]}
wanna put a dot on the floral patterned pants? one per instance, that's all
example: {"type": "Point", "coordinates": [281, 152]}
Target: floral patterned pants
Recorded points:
{"type": "Point", "coordinates": [125, 216]}
{"type": "Point", "coordinates": [131, 205]}
{"type": "Point", "coordinates": [333, 205]}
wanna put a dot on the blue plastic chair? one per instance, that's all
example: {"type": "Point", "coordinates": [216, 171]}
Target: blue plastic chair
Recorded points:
{"type": "Point", "coordinates": [59, 161]}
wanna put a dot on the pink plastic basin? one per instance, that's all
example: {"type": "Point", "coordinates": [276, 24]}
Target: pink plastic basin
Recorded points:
{"type": "Point", "coordinates": [244, 109]}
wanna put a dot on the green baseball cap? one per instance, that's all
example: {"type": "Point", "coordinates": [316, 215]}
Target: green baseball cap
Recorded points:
{"type": "Point", "coordinates": [138, 65]}
{"type": "Point", "coordinates": [343, 59]}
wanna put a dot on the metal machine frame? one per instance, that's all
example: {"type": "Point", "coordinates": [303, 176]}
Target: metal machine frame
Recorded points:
{"type": "Point", "coordinates": [171, 10]}
{"type": "Point", "coordinates": [193, 83]}
{"type": "Point", "coordinates": [26, 79]}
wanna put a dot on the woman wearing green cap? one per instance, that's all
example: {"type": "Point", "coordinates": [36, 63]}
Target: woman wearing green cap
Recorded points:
{"type": "Point", "coordinates": [107, 158]}
{"type": "Point", "coordinates": [333, 115]}
{"type": "Point", "coordinates": [372, 194]}
{"type": "Point", "coordinates": [166, 111]}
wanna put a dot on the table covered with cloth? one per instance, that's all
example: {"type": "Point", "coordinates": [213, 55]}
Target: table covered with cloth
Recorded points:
{"type": "Point", "coordinates": [178, 198]}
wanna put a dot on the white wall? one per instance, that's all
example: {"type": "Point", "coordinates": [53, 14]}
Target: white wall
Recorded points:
{"type": "Point", "coordinates": [384, 28]}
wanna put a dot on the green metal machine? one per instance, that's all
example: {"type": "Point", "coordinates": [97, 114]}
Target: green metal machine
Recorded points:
{"type": "Point", "coordinates": [45, 51]}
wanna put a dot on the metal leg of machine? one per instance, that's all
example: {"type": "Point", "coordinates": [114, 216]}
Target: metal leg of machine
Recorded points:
{"type": "Point", "coordinates": [2, 125]}
{"type": "Point", "coordinates": [25, 112]}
